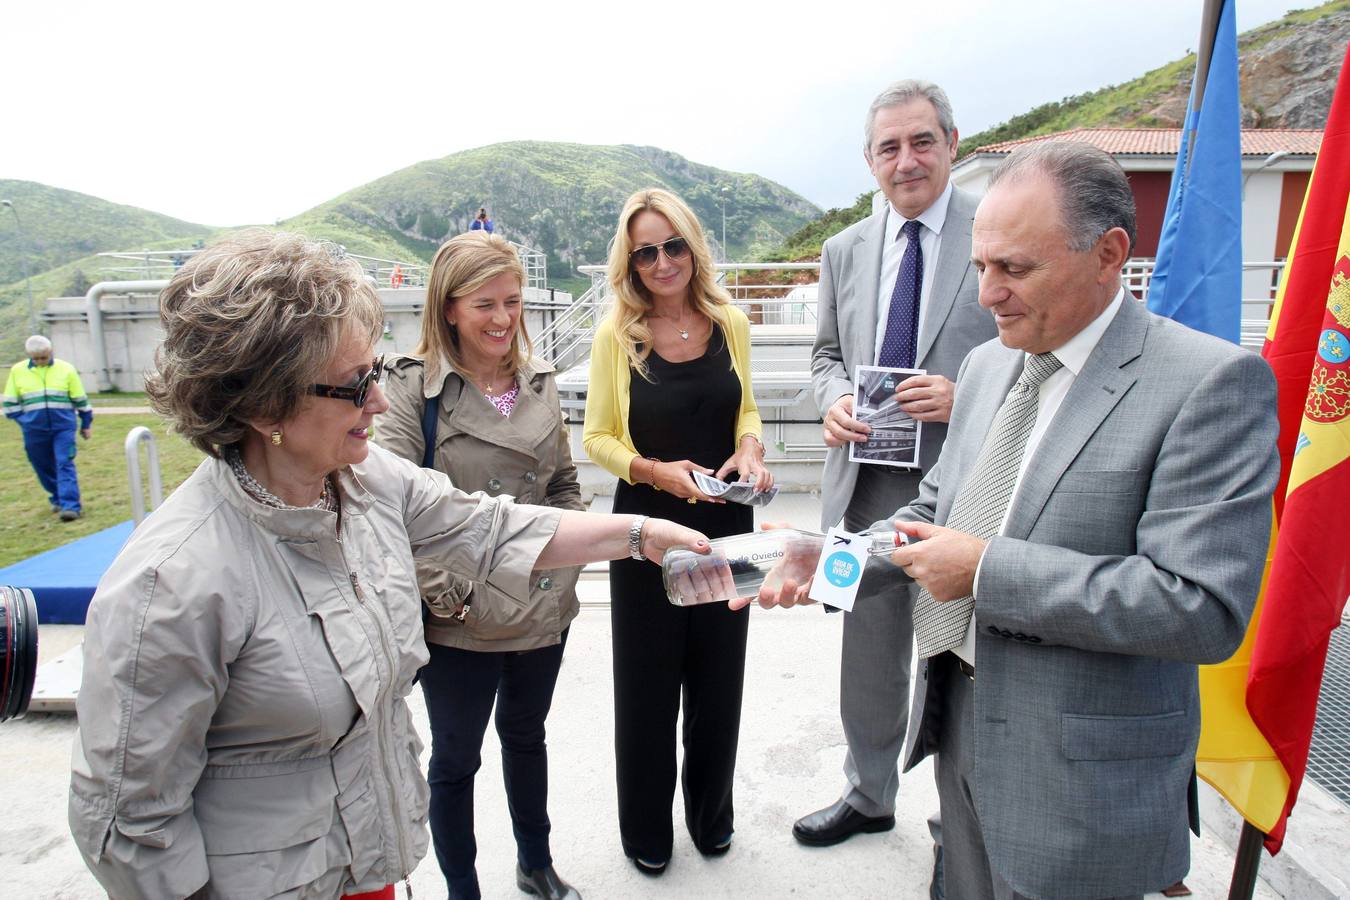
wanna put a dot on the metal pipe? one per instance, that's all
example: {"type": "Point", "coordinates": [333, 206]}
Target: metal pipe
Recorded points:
{"type": "Point", "coordinates": [102, 378]}
{"type": "Point", "coordinates": [135, 437]}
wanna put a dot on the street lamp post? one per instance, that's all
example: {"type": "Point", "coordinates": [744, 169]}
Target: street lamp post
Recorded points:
{"type": "Point", "coordinates": [1266, 163]}
{"type": "Point", "coordinates": [23, 264]}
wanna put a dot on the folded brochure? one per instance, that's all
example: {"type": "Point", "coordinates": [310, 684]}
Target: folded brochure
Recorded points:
{"type": "Point", "coordinates": [735, 491]}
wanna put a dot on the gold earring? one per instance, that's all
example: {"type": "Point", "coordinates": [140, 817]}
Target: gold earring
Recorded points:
{"type": "Point", "coordinates": [276, 439]}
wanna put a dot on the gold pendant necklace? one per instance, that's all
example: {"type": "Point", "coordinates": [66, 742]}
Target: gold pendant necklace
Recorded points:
{"type": "Point", "coordinates": [678, 326]}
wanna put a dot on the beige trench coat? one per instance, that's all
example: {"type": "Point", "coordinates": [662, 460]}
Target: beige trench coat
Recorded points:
{"type": "Point", "coordinates": [526, 457]}
{"type": "Point", "coordinates": [242, 715]}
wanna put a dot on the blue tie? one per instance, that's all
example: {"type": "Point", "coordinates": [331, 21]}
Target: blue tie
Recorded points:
{"type": "Point", "coordinates": [901, 342]}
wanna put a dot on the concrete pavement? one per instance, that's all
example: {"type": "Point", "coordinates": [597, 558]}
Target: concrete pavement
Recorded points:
{"type": "Point", "coordinates": [791, 749]}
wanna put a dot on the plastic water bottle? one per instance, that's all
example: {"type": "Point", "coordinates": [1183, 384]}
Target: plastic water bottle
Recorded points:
{"type": "Point", "coordinates": [738, 566]}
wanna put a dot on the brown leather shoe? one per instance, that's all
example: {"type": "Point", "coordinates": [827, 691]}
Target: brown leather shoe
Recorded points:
{"type": "Point", "coordinates": [1177, 890]}
{"type": "Point", "coordinates": [837, 822]}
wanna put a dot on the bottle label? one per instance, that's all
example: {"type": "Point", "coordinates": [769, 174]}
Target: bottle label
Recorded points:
{"type": "Point", "coordinates": [840, 569]}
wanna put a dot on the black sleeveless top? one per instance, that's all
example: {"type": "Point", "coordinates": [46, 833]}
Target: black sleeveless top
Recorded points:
{"type": "Point", "coordinates": [688, 410]}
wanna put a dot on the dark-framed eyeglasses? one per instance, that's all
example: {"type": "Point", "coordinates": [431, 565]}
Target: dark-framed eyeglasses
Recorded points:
{"type": "Point", "coordinates": [675, 248]}
{"type": "Point", "coordinates": [356, 393]}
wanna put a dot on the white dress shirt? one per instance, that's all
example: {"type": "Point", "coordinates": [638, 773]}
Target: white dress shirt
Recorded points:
{"type": "Point", "coordinates": [893, 250]}
{"type": "Point", "coordinates": [1074, 355]}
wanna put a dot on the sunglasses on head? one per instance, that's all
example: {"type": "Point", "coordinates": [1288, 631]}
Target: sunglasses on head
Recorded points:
{"type": "Point", "coordinates": [356, 393]}
{"type": "Point", "coordinates": [645, 257]}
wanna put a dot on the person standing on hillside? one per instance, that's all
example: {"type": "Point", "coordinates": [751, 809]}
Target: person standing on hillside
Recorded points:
{"type": "Point", "coordinates": [44, 394]}
{"type": "Point", "coordinates": [896, 289]}
{"type": "Point", "coordinates": [481, 222]}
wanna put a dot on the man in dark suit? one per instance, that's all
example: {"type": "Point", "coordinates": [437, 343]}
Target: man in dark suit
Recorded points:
{"type": "Point", "coordinates": [896, 289]}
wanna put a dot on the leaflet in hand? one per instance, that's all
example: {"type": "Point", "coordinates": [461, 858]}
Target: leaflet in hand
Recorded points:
{"type": "Point", "coordinates": [895, 434]}
{"type": "Point", "coordinates": [734, 492]}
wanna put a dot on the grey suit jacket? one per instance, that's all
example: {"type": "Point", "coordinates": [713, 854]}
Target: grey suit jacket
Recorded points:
{"type": "Point", "coordinates": [953, 323]}
{"type": "Point", "coordinates": [1133, 551]}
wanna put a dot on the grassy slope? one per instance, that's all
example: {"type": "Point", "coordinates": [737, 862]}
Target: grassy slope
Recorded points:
{"type": "Point", "coordinates": [560, 198]}
{"type": "Point", "coordinates": [28, 527]}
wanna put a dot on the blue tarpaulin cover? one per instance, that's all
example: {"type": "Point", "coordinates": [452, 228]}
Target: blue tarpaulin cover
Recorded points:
{"type": "Point", "coordinates": [63, 580]}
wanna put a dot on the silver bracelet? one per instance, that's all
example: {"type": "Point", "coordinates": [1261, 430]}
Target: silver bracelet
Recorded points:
{"type": "Point", "coordinates": [635, 537]}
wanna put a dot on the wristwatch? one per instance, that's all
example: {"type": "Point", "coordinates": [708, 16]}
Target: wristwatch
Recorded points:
{"type": "Point", "coordinates": [635, 537]}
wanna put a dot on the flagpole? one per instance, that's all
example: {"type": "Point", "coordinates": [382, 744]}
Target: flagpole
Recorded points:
{"type": "Point", "coordinates": [1209, 27]}
{"type": "Point", "coordinates": [1243, 885]}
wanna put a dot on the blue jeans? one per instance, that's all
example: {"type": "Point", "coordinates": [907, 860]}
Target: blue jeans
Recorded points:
{"type": "Point", "coordinates": [52, 455]}
{"type": "Point", "coordinates": [461, 687]}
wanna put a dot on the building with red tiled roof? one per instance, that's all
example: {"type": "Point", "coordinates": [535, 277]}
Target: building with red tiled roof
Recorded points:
{"type": "Point", "coordinates": [1276, 165]}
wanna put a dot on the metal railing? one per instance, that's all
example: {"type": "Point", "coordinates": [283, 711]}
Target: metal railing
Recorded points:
{"type": "Point", "coordinates": [768, 302]}
{"type": "Point", "coordinates": [135, 437]}
{"type": "Point", "coordinates": [396, 273]}
{"type": "Point", "coordinates": [1138, 275]}
{"type": "Point", "coordinates": [567, 339]}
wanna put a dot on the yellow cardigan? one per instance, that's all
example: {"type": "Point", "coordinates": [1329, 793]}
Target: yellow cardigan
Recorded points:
{"type": "Point", "coordinates": [606, 436]}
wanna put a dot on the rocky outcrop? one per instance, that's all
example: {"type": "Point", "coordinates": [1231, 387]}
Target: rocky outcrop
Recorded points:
{"type": "Point", "coordinates": [1288, 81]}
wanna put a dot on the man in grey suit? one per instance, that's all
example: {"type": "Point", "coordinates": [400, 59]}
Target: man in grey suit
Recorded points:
{"type": "Point", "coordinates": [1095, 528]}
{"type": "Point", "coordinates": [889, 299]}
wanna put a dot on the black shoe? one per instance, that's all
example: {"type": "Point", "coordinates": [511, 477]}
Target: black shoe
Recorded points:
{"type": "Point", "coordinates": [837, 823]}
{"type": "Point", "coordinates": [545, 883]}
{"type": "Point", "coordinates": [649, 868]}
{"type": "Point", "coordinates": [718, 849]}
{"type": "Point", "coordinates": [69, 515]}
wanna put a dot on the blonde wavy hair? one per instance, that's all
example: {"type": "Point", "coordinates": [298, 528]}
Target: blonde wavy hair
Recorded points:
{"type": "Point", "coordinates": [632, 302]}
{"type": "Point", "coordinates": [464, 264]}
{"type": "Point", "coordinates": [249, 324]}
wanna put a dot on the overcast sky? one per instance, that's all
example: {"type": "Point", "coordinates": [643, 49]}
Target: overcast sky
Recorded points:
{"type": "Point", "coordinates": [231, 113]}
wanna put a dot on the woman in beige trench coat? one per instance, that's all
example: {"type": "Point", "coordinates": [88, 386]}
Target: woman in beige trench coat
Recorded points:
{"type": "Point", "coordinates": [498, 429]}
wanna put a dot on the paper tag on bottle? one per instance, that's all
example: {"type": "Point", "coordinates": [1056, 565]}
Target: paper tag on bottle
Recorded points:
{"type": "Point", "coordinates": [840, 569]}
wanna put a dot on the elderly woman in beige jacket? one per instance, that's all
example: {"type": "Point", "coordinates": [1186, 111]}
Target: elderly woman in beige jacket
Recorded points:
{"type": "Point", "coordinates": [497, 428]}
{"type": "Point", "coordinates": [242, 724]}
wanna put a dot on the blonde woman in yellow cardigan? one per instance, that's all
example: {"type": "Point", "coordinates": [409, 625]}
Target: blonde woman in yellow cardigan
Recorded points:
{"type": "Point", "coordinates": [669, 395]}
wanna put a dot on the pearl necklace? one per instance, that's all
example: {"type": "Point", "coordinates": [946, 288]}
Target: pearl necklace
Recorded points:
{"type": "Point", "coordinates": [328, 499]}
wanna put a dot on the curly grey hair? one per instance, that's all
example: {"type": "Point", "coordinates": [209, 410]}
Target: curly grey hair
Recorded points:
{"type": "Point", "coordinates": [249, 324]}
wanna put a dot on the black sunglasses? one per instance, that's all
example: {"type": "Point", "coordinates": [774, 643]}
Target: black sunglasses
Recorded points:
{"type": "Point", "coordinates": [645, 257]}
{"type": "Point", "coordinates": [357, 393]}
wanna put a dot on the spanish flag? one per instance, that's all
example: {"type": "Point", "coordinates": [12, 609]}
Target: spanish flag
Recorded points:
{"type": "Point", "coordinates": [1259, 707]}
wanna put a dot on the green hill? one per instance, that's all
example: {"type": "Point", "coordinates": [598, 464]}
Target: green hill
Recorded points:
{"type": "Point", "coordinates": [62, 230]}
{"type": "Point", "coordinates": [1288, 71]}
{"type": "Point", "coordinates": [63, 226]}
{"type": "Point", "coordinates": [563, 199]}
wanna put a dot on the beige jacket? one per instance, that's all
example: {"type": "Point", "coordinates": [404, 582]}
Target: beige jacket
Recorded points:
{"type": "Point", "coordinates": [527, 457]}
{"type": "Point", "coordinates": [242, 715]}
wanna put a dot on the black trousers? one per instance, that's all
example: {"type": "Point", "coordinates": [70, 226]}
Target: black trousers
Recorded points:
{"type": "Point", "coordinates": [664, 654]}
{"type": "Point", "coordinates": [461, 687]}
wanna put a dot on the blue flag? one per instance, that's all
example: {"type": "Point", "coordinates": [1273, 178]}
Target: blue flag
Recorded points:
{"type": "Point", "coordinates": [1197, 279]}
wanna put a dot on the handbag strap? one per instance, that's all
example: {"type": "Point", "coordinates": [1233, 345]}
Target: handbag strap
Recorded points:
{"type": "Point", "coordinates": [429, 411]}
